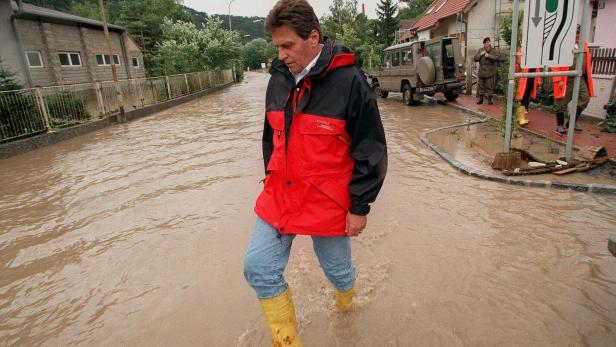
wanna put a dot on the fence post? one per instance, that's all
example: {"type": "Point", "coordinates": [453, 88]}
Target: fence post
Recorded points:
{"type": "Point", "coordinates": [41, 104]}
{"type": "Point", "coordinates": [469, 77]}
{"type": "Point", "coordinates": [99, 99]}
{"type": "Point", "coordinates": [233, 72]}
{"type": "Point", "coordinates": [209, 78]}
{"type": "Point", "coordinates": [187, 86]}
{"type": "Point", "coordinates": [121, 117]}
{"type": "Point", "coordinates": [200, 83]}
{"type": "Point", "coordinates": [168, 87]}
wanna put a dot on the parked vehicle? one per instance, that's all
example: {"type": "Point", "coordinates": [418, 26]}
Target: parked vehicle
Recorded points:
{"type": "Point", "coordinates": [421, 68]}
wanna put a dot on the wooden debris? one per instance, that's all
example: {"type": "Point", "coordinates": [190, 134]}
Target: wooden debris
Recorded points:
{"type": "Point", "coordinates": [507, 161]}
{"type": "Point", "coordinates": [565, 171]}
{"type": "Point", "coordinates": [548, 168]}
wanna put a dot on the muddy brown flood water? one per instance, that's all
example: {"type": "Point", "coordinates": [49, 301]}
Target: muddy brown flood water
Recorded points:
{"type": "Point", "coordinates": [134, 235]}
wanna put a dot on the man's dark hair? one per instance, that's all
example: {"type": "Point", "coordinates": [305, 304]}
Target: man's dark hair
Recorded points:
{"type": "Point", "coordinates": [297, 14]}
{"type": "Point", "coordinates": [487, 39]}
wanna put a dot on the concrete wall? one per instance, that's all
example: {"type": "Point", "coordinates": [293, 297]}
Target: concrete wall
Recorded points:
{"type": "Point", "coordinates": [10, 53]}
{"type": "Point", "coordinates": [481, 21]}
{"type": "Point", "coordinates": [423, 35]}
{"type": "Point", "coordinates": [447, 27]}
{"type": "Point", "coordinates": [51, 38]}
{"type": "Point", "coordinates": [604, 31]}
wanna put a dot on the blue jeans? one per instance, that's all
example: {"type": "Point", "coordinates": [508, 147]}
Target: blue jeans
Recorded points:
{"type": "Point", "coordinates": [268, 255]}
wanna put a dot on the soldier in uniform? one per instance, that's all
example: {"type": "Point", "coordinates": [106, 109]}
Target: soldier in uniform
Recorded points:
{"type": "Point", "coordinates": [488, 63]}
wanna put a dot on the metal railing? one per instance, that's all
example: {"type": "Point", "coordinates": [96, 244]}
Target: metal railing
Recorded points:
{"type": "Point", "coordinates": [32, 111]}
{"type": "Point", "coordinates": [603, 61]}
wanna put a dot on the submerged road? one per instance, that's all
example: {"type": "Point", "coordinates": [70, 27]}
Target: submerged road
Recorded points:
{"type": "Point", "coordinates": [135, 234]}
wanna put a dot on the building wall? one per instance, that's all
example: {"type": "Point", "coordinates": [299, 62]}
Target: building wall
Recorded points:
{"type": "Point", "coordinates": [603, 24]}
{"type": "Point", "coordinates": [481, 21]}
{"type": "Point", "coordinates": [423, 35]}
{"type": "Point", "coordinates": [50, 39]}
{"type": "Point", "coordinates": [134, 51]}
{"type": "Point", "coordinates": [10, 53]}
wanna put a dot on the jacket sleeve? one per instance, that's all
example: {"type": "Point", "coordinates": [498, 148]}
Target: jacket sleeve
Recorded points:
{"type": "Point", "coordinates": [493, 56]}
{"type": "Point", "coordinates": [477, 56]}
{"type": "Point", "coordinates": [368, 147]}
{"type": "Point", "coordinates": [267, 143]}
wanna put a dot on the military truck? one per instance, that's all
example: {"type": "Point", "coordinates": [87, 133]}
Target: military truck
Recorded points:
{"type": "Point", "coordinates": [419, 68]}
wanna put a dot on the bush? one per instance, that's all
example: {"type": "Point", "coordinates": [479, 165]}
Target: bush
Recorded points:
{"type": "Point", "coordinates": [18, 111]}
{"type": "Point", "coordinates": [18, 115]}
{"type": "Point", "coordinates": [66, 109]}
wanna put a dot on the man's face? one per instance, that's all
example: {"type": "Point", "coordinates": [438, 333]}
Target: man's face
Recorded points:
{"type": "Point", "coordinates": [487, 44]}
{"type": "Point", "coordinates": [294, 51]}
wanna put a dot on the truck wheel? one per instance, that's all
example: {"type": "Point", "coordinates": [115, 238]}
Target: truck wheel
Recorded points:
{"type": "Point", "coordinates": [378, 91]}
{"type": "Point", "coordinates": [451, 95]}
{"type": "Point", "coordinates": [407, 96]}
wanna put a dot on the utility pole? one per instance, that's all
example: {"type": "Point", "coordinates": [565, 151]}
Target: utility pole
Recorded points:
{"type": "Point", "coordinates": [101, 9]}
{"type": "Point", "coordinates": [230, 2]}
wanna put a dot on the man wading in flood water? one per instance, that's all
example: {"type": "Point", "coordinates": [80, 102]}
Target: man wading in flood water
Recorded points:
{"type": "Point", "coordinates": [325, 160]}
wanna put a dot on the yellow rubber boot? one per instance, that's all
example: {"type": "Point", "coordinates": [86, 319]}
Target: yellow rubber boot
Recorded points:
{"type": "Point", "coordinates": [344, 300]}
{"type": "Point", "coordinates": [522, 120]}
{"type": "Point", "coordinates": [280, 315]}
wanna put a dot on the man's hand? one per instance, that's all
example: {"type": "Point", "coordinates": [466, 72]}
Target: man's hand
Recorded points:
{"type": "Point", "coordinates": [355, 224]}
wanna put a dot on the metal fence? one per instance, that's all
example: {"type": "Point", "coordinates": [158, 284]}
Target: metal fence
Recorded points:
{"type": "Point", "coordinates": [603, 61]}
{"type": "Point", "coordinates": [32, 111]}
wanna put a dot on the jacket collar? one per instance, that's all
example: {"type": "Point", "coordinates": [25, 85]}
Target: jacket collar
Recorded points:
{"type": "Point", "coordinates": [333, 55]}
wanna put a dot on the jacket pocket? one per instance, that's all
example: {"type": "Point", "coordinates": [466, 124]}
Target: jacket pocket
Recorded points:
{"type": "Point", "coordinates": [276, 121]}
{"type": "Point", "coordinates": [325, 145]}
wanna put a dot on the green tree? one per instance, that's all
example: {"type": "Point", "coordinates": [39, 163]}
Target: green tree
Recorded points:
{"type": "Point", "coordinates": [414, 8]}
{"type": "Point", "coordinates": [59, 5]}
{"type": "Point", "coordinates": [342, 12]}
{"type": "Point", "coordinates": [255, 52]}
{"type": "Point", "coordinates": [388, 21]}
{"type": "Point", "coordinates": [186, 48]}
{"type": "Point", "coordinates": [505, 23]}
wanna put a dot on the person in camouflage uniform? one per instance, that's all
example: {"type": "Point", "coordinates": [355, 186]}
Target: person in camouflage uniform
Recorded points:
{"type": "Point", "coordinates": [488, 58]}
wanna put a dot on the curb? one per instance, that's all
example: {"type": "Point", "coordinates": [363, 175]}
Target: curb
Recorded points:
{"type": "Point", "coordinates": [28, 144]}
{"type": "Point", "coordinates": [465, 169]}
{"type": "Point", "coordinates": [519, 128]}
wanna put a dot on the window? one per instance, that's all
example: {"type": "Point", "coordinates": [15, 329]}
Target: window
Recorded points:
{"type": "Point", "coordinates": [135, 61]}
{"type": "Point", "coordinates": [407, 56]}
{"type": "Point", "coordinates": [433, 51]}
{"type": "Point", "coordinates": [386, 59]}
{"type": "Point", "coordinates": [69, 59]}
{"type": "Point", "coordinates": [104, 59]}
{"type": "Point", "coordinates": [34, 59]}
{"type": "Point", "coordinates": [395, 58]}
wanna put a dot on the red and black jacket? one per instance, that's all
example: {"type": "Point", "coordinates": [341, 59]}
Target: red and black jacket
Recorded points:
{"type": "Point", "coordinates": [323, 146]}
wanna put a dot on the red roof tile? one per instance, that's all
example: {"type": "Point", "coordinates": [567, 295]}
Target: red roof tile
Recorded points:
{"type": "Point", "coordinates": [439, 10]}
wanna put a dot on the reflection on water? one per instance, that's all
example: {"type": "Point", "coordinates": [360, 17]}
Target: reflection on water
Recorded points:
{"type": "Point", "coordinates": [135, 235]}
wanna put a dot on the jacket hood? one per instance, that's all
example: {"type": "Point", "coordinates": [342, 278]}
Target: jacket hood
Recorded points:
{"type": "Point", "coordinates": [333, 55]}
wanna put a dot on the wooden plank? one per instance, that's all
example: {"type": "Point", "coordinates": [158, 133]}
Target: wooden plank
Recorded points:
{"type": "Point", "coordinates": [565, 171]}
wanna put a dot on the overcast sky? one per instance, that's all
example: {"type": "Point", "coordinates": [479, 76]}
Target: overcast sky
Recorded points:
{"type": "Point", "coordinates": [261, 8]}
